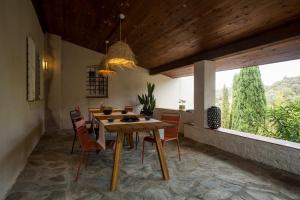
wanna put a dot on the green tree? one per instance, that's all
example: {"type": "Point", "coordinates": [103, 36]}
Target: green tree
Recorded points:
{"type": "Point", "coordinates": [284, 121]}
{"type": "Point", "coordinates": [225, 108]}
{"type": "Point", "coordinates": [249, 101]}
{"type": "Point", "coordinates": [234, 98]}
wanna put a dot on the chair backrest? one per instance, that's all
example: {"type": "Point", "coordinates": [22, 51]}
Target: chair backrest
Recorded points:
{"type": "Point", "coordinates": [82, 134]}
{"type": "Point", "coordinates": [75, 116]}
{"type": "Point", "coordinates": [171, 118]}
{"type": "Point", "coordinates": [129, 108]}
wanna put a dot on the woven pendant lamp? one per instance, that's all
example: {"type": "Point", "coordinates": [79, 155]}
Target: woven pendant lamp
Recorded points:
{"type": "Point", "coordinates": [105, 70]}
{"type": "Point", "coordinates": [120, 54]}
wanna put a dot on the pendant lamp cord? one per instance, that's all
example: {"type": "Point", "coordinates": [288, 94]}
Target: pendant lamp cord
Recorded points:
{"type": "Point", "coordinates": [120, 27]}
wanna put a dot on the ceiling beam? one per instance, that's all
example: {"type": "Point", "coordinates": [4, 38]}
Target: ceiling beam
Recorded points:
{"type": "Point", "coordinates": [39, 10]}
{"type": "Point", "coordinates": [276, 34]}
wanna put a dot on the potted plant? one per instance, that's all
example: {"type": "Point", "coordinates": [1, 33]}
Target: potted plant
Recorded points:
{"type": "Point", "coordinates": [182, 104]}
{"type": "Point", "coordinates": [148, 101]}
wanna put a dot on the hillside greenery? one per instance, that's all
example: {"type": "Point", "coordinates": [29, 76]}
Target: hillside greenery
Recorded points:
{"type": "Point", "coordinates": [272, 111]}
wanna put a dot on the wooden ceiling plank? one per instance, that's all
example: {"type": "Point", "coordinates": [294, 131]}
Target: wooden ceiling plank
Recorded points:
{"type": "Point", "coordinates": [282, 32]}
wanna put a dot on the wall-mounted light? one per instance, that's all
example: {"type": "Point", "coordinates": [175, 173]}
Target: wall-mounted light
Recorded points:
{"type": "Point", "coordinates": [45, 64]}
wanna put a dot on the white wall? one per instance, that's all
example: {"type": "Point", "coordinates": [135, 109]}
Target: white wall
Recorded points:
{"type": "Point", "coordinates": [123, 87]}
{"type": "Point", "coordinates": [21, 122]}
{"type": "Point", "coordinates": [53, 83]}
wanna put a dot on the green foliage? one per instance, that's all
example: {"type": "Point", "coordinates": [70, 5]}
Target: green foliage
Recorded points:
{"type": "Point", "coordinates": [147, 100]}
{"type": "Point", "coordinates": [285, 121]}
{"type": "Point", "coordinates": [225, 109]}
{"type": "Point", "coordinates": [288, 89]}
{"type": "Point", "coordinates": [249, 101]}
{"type": "Point", "coordinates": [248, 108]}
{"type": "Point", "coordinates": [234, 98]}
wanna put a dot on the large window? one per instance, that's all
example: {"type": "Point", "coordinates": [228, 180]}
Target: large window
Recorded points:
{"type": "Point", "coordinates": [186, 91]}
{"type": "Point", "coordinates": [263, 100]}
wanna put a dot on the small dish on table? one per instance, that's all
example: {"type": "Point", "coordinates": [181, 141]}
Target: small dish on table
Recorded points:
{"type": "Point", "coordinates": [147, 118]}
{"type": "Point", "coordinates": [130, 119]}
{"type": "Point", "coordinates": [110, 119]}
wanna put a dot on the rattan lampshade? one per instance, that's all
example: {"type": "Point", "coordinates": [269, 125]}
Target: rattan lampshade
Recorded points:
{"type": "Point", "coordinates": [105, 70]}
{"type": "Point", "coordinates": [120, 55]}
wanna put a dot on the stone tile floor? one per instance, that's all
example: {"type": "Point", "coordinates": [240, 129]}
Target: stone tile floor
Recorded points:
{"type": "Point", "coordinates": [204, 173]}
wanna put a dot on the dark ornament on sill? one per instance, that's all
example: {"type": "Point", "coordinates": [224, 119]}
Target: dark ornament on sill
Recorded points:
{"type": "Point", "coordinates": [214, 117]}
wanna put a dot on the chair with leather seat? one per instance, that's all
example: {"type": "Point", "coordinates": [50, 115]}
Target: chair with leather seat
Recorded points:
{"type": "Point", "coordinates": [170, 134]}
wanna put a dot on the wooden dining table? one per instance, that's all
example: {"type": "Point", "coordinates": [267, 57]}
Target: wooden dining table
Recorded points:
{"type": "Point", "coordinates": [93, 111]}
{"type": "Point", "coordinates": [123, 128]}
{"type": "Point", "coordinates": [115, 115]}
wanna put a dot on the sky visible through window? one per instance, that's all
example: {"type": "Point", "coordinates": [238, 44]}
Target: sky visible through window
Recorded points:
{"type": "Point", "coordinates": [270, 73]}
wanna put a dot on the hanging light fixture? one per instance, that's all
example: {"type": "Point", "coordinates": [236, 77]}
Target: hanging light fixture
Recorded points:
{"type": "Point", "coordinates": [120, 53]}
{"type": "Point", "coordinates": [105, 70]}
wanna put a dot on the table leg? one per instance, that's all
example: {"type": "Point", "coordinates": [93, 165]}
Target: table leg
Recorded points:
{"type": "Point", "coordinates": [162, 159]}
{"type": "Point", "coordinates": [117, 157]}
{"type": "Point", "coordinates": [130, 138]}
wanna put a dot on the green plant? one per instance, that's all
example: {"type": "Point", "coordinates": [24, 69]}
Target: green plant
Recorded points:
{"type": "Point", "coordinates": [147, 100]}
{"type": "Point", "coordinates": [249, 101]}
{"type": "Point", "coordinates": [285, 121]}
{"type": "Point", "coordinates": [225, 116]}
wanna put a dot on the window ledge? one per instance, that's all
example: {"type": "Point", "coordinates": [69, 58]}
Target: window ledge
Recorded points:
{"type": "Point", "coordinates": [175, 110]}
{"type": "Point", "coordinates": [260, 138]}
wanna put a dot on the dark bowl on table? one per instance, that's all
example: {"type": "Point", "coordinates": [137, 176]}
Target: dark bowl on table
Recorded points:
{"type": "Point", "coordinates": [107, 111]}
{"type": "Point", "coordinates": [124, 112]}
{"type": "Point", "coordinates": [110, 119]}
{"type": "Point", "coordinates": [147, 118]}
{"type": "Point", "coordinates": [127, 118]}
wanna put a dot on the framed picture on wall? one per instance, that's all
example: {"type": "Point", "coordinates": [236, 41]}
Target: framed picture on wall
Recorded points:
{"type": "Point", "coordinates": [34, 72]}
{"type": "Point", "coordinates": [31, 70]}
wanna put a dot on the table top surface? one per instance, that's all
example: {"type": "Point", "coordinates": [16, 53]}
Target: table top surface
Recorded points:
{"type": "Point", "coordinates": [114, 114]}
{"type": "Point", "coordinates": [141, 125]}
{"type": "Point", "coordinates": [97, 110]}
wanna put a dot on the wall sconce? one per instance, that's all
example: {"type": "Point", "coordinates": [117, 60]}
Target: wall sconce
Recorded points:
{"type": "Point", "coordinates": [45, 64]}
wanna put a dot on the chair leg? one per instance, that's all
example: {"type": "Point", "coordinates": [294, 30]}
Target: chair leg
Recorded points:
{"type": "Point", "coordinates": [143, 151]}
{"type": "Point", "coordinates": [177, 141]}
{"type": "Point", "coordinates": [86, 160]}
{"type": "Point", "coordinates": [74, 139]}
{"type": "Point", "coordinates": [136, 140]}
{"type": "Point", "coordinates": [79, 165]}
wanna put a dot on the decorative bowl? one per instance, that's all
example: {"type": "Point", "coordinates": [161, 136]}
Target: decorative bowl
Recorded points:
{"type": "Point", "coordinates": [147, 118]}
{"type": "Point", "coordinates": [124, 112]}
{"type": "Point", "coordinates": [107, 111]}
{"type": "Point", "coordinates": [110, 119]}
{"type": "Point", "coordinates": [130, 119]}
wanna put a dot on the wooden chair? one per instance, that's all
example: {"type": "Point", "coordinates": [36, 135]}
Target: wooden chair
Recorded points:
{"type": "Point", "coordinates": [87, 144]}
{"type": "Point", "coordinates": [89, 123]}
{"type": "Point", "coordinates": [75, 116]}
{"type": "Point", "coordinates": [170, 134]}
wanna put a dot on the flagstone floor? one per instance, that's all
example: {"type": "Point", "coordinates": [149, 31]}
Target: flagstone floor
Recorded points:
{"type": "Point", "coordinates": [204, 173]}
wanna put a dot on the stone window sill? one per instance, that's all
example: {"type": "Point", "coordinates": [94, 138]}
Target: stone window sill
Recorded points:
{"type": "Point", "coordinates": [260, 138]}
{"type": "Point", "coordinates": [176, 110]}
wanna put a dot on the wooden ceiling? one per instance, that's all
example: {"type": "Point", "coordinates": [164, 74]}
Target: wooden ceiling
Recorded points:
{"type": "Point", "coordinates": [162, 32]}
{"type": "Point", "coordinates": [277, 52]}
